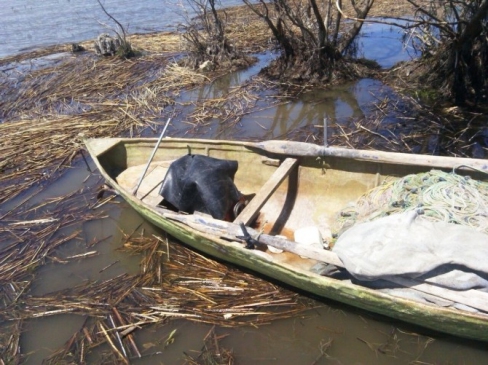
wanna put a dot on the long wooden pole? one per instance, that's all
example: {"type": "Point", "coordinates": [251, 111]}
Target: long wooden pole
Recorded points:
{"type": "Point", "coordinates": [473, 298]}
{"type": "Point", "coordinates": [304, 149]}
{"type": "Point", "coordinates": [297, 149]}
{"type": "Point", "coordinates": [151, 158]}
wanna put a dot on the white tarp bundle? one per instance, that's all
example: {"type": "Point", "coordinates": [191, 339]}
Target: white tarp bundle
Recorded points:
{"type": "Point", "coordinates": [450, 255]}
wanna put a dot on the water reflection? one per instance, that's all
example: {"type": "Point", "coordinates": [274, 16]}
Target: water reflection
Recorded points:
{"type": "Point", "coordinates": [356, 336]}
{"type": "Point", "coordinates": [385, 43]}
{"type": "Point", "coordinates": [222, 85]}
{"type": "Point", "coordinates": [343, 105]}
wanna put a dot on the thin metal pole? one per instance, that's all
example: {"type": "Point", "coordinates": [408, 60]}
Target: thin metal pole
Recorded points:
{"type": "Point", "coordinates": [151, 158]}
{"type": "Point", "coordinates": [326, 144]}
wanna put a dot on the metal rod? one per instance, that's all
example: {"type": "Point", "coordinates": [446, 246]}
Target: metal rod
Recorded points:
{"type": "Point", "coordinates": [325, 133]}
{"type": "Point", "coordinates": [151, 158]}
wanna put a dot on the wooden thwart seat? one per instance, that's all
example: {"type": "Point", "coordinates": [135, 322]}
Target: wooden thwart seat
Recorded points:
{"type": "Point", "coordinates": [252, 209]}
{"type": "Point", "coordinates": [149, 189]}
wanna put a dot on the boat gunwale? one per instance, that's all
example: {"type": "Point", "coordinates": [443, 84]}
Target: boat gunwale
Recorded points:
{"type": "Point", "coordinates": [403, 309]}
{"type": "Point", "coordinates": [305, 149]}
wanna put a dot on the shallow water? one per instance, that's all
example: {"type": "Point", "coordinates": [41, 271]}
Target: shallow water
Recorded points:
{"type": "Point", "coordinates": [28, 24]}
{"type": "Point", "coordinates": [357, 337]}
{"type": "Point", "coordinates": [384, 43]}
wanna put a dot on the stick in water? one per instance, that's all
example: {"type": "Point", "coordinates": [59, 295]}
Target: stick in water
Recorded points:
{"type": "Point", "coordinates": [151, 158]}
{"type": "Point", "coordinates": [326, 143]}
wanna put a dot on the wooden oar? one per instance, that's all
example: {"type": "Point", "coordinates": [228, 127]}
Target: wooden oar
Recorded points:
{"type": "Point", "coordinates": [473, 298]}
{"type": "Point", "coordinates": [151, 158]}
{"type": "Point", "coordinates": [297, 149]}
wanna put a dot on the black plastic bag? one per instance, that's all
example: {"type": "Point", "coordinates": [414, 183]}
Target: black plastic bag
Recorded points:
{"type": "Point", "coordinates": [203, 184]}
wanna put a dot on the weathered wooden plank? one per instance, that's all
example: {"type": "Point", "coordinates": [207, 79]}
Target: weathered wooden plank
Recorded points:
{"type": "Point", "coordinates": [252, 209]}
{"type": "Point", "coordinates": [99, 146]}
{"type": "Point", "coordinates": [293, 148]}
{"type": "Point", "coordinates": [473, 298]}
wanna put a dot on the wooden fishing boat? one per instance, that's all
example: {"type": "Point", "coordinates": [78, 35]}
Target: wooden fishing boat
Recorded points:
{"type": "Point", "coordinates": [297, 185]}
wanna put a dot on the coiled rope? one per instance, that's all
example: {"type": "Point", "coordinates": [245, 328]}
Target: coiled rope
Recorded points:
{"type": "Point", "coordinates": [441, 196]}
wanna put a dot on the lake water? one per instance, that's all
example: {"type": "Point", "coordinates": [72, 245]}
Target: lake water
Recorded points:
{"type": "Point", "coordinates": [28, 24]}
{"type": "Point", "coordinates": [356, 336]}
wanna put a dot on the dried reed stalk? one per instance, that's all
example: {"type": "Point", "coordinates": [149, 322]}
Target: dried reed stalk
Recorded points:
{"type": "Point", "coordinates": [41, 118]}
{"type": "Point", "coordinates": [191, 286]}
{"type": "Point", "coordinates": [211, 353]}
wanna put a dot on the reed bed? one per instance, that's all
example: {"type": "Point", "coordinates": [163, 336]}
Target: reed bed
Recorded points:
{"type": "Point", "coordinates": [174, 283]}
{"type": "Point", "coordinates": [178, 283]}
{"type": "Point", "coordinates": [42, 117]}
{"type": "Point", "coordinates": [46, 110]}
{"type": "Point", "coordinates": [38, 150]}
{"type": "Point", "coordinates": [78, 84]}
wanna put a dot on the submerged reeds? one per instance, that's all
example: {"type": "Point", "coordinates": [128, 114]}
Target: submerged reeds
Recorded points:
{"type": "Point", "coordinates": [185, 285]}
{"type": "Point", "coordinates": [43, 116]}
{"type": "Point", "coordinates": [173, 282]}
{"type": "Point", "coordinates": [211, 353]}
{"type": "Point", "coordinates": [43, 112]}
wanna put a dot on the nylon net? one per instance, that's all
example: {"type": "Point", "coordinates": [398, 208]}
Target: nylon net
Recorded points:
{"type": "Point", "coordinates": [439, 195]}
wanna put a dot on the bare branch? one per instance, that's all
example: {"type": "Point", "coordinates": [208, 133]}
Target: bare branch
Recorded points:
{"type": "Point", "coordinates": [115, 20]}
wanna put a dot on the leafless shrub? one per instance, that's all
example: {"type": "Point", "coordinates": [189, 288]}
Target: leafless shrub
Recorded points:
{"type": "Point", "coordinates": [453, 37]}
{"type": "Point", "coordinates": [311, 36]}
{"type": "Point", "coordinates": [208, 47]}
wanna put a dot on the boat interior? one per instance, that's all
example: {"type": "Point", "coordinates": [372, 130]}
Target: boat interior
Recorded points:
{"type": "Point", "coordinates": [305, 195]}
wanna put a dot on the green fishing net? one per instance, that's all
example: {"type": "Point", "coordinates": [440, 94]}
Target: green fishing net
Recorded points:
{"type": "Point", "coordinates": [440, 196]}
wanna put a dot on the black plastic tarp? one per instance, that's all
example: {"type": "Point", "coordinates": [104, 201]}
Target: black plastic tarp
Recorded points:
{"type": "Point", "coordinates": [203, 184]}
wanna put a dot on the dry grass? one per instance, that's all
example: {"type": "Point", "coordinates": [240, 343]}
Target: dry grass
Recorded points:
{"type": "Point", "coordinates": [46, 110]}
{"type": "Point", "coordinates": [41, 118]}
{"type": "Point", "coordinates": [173, 283]}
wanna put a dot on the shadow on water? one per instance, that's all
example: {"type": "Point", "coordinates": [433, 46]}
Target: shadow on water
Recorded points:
{"type": "Point", "coordinates": [343, 104]}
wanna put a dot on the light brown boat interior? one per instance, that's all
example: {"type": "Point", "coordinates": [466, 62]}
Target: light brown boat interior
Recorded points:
{"type": "Point", "coordinates": [296, 186]}
{"type": "Point", "coordinates": [308, 191]}
{"type": "Point", "coordinates": [295, 197]}
{"type": "Point", "coordinates": [292, 193]}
